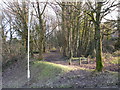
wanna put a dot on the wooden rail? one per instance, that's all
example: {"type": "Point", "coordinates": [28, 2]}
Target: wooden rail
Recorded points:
{"type": "Point", "coordinates": [78, 58]}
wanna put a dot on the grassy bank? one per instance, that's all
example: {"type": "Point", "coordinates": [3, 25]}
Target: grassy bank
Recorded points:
{"type": "Point", "coordinates": [51, 75]}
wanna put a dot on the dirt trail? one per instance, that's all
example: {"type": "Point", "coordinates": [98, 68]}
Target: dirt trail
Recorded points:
{"type": "Point", "coordinates": [56, 57]}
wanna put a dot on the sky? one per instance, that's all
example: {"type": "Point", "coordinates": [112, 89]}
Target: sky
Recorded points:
{"type": "Point", "coordinates": [113, 15]}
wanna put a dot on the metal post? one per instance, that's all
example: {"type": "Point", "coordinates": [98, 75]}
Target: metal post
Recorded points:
{"type": "Point", "coordinates": [28, 70]}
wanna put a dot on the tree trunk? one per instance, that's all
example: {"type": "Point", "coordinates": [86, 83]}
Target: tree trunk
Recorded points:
{"type": "Point", "coordinates": [63, 30]}
{"type": "Point", "coordinates": [41, 35]}
{"type": "Point", "coordinates": [117, 45]}
{"type": "Point", "coordinates": [99, 64]}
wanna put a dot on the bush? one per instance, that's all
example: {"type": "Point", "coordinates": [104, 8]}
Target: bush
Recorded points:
{"type": "Point", "coordinates": [12, 53]}
{"type": "Point", "coordinates": [107, 55]}
{"type": "Point", "coordinates": [116, 53]}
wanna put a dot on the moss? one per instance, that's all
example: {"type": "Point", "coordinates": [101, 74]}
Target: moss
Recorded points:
{"type": "Point", "coordinates": [99, 65]}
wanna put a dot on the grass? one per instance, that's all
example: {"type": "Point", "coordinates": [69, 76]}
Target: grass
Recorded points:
{"type": "Point", "coordinates": [65, 86]}
{"type": "Point", "coordinates": [46, 72]}
{"type": "Point", "coordinates": [49, 70]}
{"type": "Point", "coordinates": [115, 60]}
{"type": "Point", "coordinates": [50, 65]}
{"type": "Point", "coordinates": [79, 58]}
{"type": "Point", "coordinates": [53, 48]}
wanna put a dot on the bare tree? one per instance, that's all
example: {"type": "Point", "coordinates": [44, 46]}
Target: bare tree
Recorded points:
{"type": "Point", "coordinates": [98, 11]}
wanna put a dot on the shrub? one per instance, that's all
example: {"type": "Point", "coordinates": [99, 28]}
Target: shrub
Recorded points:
{"type": "Point", "coordinates": [116, 53]}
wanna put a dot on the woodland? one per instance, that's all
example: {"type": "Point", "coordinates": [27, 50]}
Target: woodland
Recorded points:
{"type": "Point", "coordinates": [71, 44]}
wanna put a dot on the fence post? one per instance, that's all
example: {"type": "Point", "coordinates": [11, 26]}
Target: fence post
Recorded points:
{"type": "Point", "coordinates": [70, 61]}
{"type": "Point", "coordinates": [88, 59]}
{"type": "Point", "coordinates": [80, 61]}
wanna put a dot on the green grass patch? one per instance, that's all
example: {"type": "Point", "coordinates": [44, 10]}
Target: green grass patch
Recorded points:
{"type": "Point", "coordinates": [49, 70]}
{"type": "Point", "coordinates": [79, 58]}
{"type": "Point", "coordinates": [53, 48]}
{"type": "Point", "coordinates": [115, 60]}
{"type": "Point", "coordinates": [45, 73]}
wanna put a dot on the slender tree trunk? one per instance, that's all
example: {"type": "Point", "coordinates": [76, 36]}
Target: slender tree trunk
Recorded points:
{"type": "Point", "coordinates": [117, 45]}
{"type": "Point", "coordinates": [63, 30]}
{"type": "Point", "coordinates": [41, 35]}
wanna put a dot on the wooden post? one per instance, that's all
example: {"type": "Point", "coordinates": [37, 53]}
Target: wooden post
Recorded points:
{"type": "Point", "coordinates": [70, 61]}
{"type": "Point", "coordinates": [88, 59]}
{"type": "Point", "coordinates": [79, 61]}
